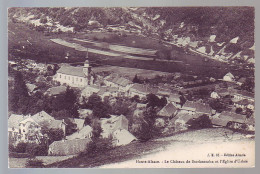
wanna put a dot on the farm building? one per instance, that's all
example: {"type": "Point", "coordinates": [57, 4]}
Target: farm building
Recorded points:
{"type": "Point", "coordinates": [85, 132]}
{"type": "Point", "coordinates": [168, 111]}
{"type": "Point", "coordinates": [68, 147]}
{"type": "Point", "coordinates": [122, 137]}
{"type": "Point", "coordinates": [112, 124]}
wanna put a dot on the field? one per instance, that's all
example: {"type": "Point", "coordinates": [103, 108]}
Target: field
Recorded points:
{"type": "Point", "coordinates": [130, 72]}
{"type": "Point", "coordinates": [129, 40]}
{"type": "Point", "coordinates": [28, 43]}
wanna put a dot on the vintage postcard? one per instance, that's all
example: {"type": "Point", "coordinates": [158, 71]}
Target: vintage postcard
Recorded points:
{"type": "Point", "coordinates": [131, 87]}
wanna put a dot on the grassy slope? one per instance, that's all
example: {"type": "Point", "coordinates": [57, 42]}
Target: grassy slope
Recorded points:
{"type": "Point", "coordinates": [139, 150]}
{"type": "Point", "coordinates": [118, 154]}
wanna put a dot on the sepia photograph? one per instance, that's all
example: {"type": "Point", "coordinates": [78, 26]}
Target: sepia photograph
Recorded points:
{"type": "Point", "coordinates": [131, 87]}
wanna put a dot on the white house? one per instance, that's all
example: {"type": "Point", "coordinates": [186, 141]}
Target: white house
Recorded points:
{"type": "Point", "coordinates": [229, 77]}
{"type": "Point", "coordinates": [85, 132]}
{"type": "Point", "coordinates": [122, 137]}
{"type": "Point", "coordinates": [214, 95]}
{"type": "Point", "coordinates": [112, 124]}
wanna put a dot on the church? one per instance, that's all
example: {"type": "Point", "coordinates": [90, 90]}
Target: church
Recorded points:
{"type": "Point", "coordinates": [75, 76]}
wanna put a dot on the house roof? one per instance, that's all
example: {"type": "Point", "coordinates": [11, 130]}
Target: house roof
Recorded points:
{"type": "Point", "coordinates": [184, 117]}
{"type": "Point", "coordinates": [71, 70]}
{"type": "Point", "coordinates": [55, 124]}
{"type": "Point", "coordinates": [124, 135]}
{"type": "Point", "coordinates": [114, 78]}
{"type": "Point", "coordinates": [242, 80]}
{"type": "Point", "coordinates": [244, 102]}
{"type": "Point", "coordinates": [29, 119]}
{"type": "Point", "coordinates": [81, 134]}
{"type": "Point", "coordinates": [168, 110]}
{"type": "Point", "coordinates": [203, 108]}
{"type": "Point", "coordinates": [122, 81]}
{"type": "Point", "coordinates": [78, 122]}
{"type": "Point", "coordinates": [14, 120]}
{"type": "Point", "coordinates": [42, 117]}
{"type": "Point", "coordinates": [30, 87]}
{"type": "Point", "coordinates": [144, 89]}
{"type": "Point", "coordinates": [92, 88]}
{"type": "Point", "coordinates": [189, 105]}
{"type": "Point", "coordinates": [226, 117]}
{"type": "Point", "coordinates": [198, 107]}
{"type": "Point", "coordinates": [56, 90]}
{"type": "Point", "coordinates": [174, 98]}
{"type": "Point", "coordinates": [246, 94]}
{"type": "Point", "coordinates": [230, 75]}
{"type": "Point", "coordinates": [165, 92]}
{"type": "Point", "coordinates": [113, 123]}
{"type": "Point", "coordinates": [69, 147]}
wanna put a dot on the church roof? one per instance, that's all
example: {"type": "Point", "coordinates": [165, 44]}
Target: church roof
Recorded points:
{"type": "Point", "coordinates": [71, 70]}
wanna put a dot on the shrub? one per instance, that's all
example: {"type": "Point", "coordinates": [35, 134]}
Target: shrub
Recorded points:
{"type": "Point", "coordinates": [98, 146]}
{"type": "Point", "coordinates": [34, 149]}
{"type": "Point", "coordinates": [34, 163]}
{"type": "Point", "coordinates": [200, 122]}
{"type": "Point", "coordinates": [21, 147]}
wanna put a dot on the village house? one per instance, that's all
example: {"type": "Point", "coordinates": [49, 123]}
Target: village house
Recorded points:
{"type": "Point", "coordinates": [175, 98]}
{"type": "Point", "coordinates": [168, 111]}
{"type": "Point", "coordinates": [229, 119]}
{"type": "Point", "coordinates": [54, 91]}
{"type": "Point", "coordinates": [109, 125]}
{"type": "Point", "coordinates": [117, 128]}
{"type": "Point", "coordinates": [84, 132]}
{"type": "Point", "coordinates": [181, 122]}
{"type": "Point", "coordinates": [75, 76]}
{"type": "Point", "coordinates": [83, 113]}
{"type": "Point", "coordinates": [241, 81]}
{"type": "Point", "coordinates": [214, 95]}
{"type": "Point", "coordinates": [244, 104]}
{"type": "Point", "coordinates": [68, 147]}
{"type": "Point", "coordinates": [31, 88]}
{"type": "Point", "coordinates": [122, 137]}
{"type": "Point", "coordinates": [89, 90]}
{"type": "Point", "coordinates": [196, 107]}
{"type": "Point", "coordinates": [141, 90]}
{"type": "Point", "coordinates": [14, 126]}
{"type": "Point", "coordinates": [241, 95]}
{"type": "Point", "coordinates": [229, 77]}
{"type": "Point", "coordinates": [121, 83]}
{"type": "Point", "coordinates": [28, 128]}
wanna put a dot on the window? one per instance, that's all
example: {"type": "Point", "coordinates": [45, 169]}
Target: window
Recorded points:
{"type": "Point", "coordinates": [23, 130]}
{"type": "Point", "coordinates": [80, 80]}
{"type": "Point", "coordinates": [60, 76]}
{"type": "Point", "coordinates": [69, 77]}
{"type": "Point", "coordinates": [64, 77]}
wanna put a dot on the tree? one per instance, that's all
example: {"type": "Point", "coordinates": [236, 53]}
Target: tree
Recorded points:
{"type": "Point", "coordinates": [95, 124]}
{"type": "Point", "coordinates": [19, 97]}
{"type": "Point", "coordinates": [239, 110]}
{"type": "Point", "coordinates": [135, 98]}
{"type": "Point", "coordinates": [102, 110]}
{"type": "Point", "coordinates": [148, 128]}
{"type": "Point", "coordinates": [43, 20]}
{"type": "Point", "coordinates": [93, 100]}
{"type": "Point", "coordinates": [200, 122]}
{"type": "Point", "coordinates": [163, 101]}
{"type": "Point", "coordinates": [136, 79]}
{"type": "Point", "coordinates": [153, 100]}
{"type": "Point", "coordinates": [121, 106]}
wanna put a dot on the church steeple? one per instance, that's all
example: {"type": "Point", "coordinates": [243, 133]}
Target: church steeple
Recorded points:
{"type": "Point", "coordinates": [87, 68]}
